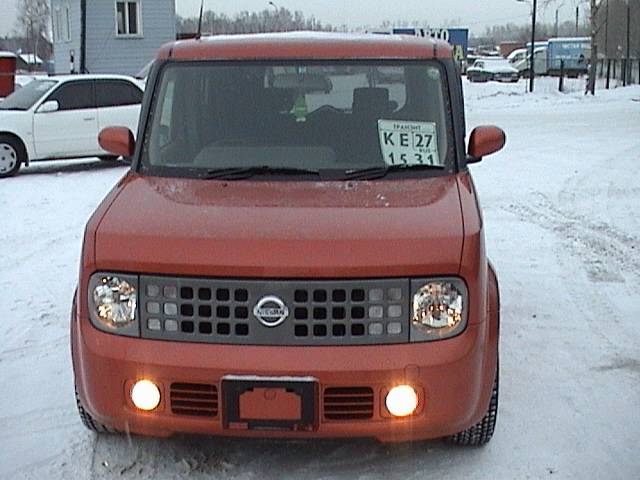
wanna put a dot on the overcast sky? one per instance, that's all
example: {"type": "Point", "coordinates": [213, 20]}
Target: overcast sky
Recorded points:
{"type": "Point", "coordinates": [471, 13]}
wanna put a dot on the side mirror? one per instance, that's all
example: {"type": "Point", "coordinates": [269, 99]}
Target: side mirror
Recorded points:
{"type": "Point", "coordinates": [485, 141]}
{"type": "Point", "coordinates": [117, 140]}
{"type": "Point", "coordinates": [48, 107]}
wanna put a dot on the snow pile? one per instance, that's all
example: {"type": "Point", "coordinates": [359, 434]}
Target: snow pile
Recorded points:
{"type": "Point", "coordinates": [511, 95]}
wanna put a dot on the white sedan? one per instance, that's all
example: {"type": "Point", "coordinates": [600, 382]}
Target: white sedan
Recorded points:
{"type": "Point", "coordinates": [60, 117]}
{"type": "Point", "coordinates": [491, 68]}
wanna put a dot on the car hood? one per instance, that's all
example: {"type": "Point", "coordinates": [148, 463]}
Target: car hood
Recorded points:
{"type": "Point", "coordinates": [9, 115]}
{"type": "Point", "coordinates": [501, 69]}
{"type": "Point", "coordinates": [289, 229]}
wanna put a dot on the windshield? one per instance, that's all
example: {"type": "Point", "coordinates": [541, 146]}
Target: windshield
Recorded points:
{"type": "Point", "coordinates": [28, 95]}
{"type": "Point", "coordinates": [305, 116]}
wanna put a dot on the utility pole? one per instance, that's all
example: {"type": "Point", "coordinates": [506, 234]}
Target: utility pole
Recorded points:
{"type": "Point", "coordinates": [606, 31]}
{"type": "Point", "coordinates": [577, 19]}
{"type": "Point", "coordinates": [533, 45]}
{"type": "Point", "coordinates": [627, 70]}
{"type": "Point", "coordinates": [533, 42]}
{"type": "Point", "coordinates": [591, 85]}
{"type": "Point", "coordinates": [557, 26]}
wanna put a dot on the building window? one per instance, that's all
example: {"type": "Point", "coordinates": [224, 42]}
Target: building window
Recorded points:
{"type": "Point", "coordinates": [128, 21]}
{"type": "Point", "coordinates": [61, 30]}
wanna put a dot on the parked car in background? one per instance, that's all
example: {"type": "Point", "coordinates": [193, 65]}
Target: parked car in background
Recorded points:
{"type": "Point", "coordinates": [517, 55]}
{"type": "Point", "coordinates": [60, 117]}
{"type": "Point", "coordinates": [471, 59]}
{"type": "Point", "coordinates": [520, 61]}
{"type": "Point", "coordinates": [489, 68]}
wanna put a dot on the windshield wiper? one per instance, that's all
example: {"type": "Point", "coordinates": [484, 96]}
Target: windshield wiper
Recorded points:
{"type": "Point", "coordinates": [372, 173]}
{"type": "Point", "coordinates": [240, 173]}
{"type": "Point", "coordinates": [369, 173]}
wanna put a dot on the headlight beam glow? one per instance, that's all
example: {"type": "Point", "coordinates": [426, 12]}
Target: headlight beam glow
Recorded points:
{"type": "Point", "coordinates": [401, 401]}
{"type": "Point", "coordinates": [145, 395]}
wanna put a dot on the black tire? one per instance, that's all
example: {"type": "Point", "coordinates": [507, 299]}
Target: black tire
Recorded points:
{"type": "Point", "coordinates": [12, 155]}
{"type": "Point", "coordinates": [90, 422]}
{"type": "Point", "coordinates": [481, 432]}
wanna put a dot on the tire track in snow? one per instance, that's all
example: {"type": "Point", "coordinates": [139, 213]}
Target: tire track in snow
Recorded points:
{"type": "Point", "coordinates": [41, 349]}
{"type": "Point", "coordinates": [606, 251]}
{"type": "Point", "coordinates": [40, 250]}
{"type": "Point", "coordinates": [39, 420]}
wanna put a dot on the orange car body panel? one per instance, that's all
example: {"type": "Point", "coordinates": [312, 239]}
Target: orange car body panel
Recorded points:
{"type": "Point", "coordinates": [283, 229]}
{"type": "Point", "coordinates": [305, 46]}
{"type": "Point", "coordinates": [293, 230]}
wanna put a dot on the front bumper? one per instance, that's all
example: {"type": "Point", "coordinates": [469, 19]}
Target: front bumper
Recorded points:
{"type": "Point", "coordinates": [453, 378]}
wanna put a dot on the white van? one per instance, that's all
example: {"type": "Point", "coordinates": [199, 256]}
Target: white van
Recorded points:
{"type": "Point", "coordinates": [520, 60]}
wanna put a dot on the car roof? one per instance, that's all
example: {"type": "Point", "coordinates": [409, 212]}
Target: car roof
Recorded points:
{"type": "Point", "coordinates": [306, 45]}
{"type": "Point", "coordinates": [88, 76]}
{"type": "Point", "coordinates": [569, 39]}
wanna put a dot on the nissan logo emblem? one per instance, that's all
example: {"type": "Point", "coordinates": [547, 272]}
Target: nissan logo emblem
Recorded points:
{"type": "Point", "coordinates": [271, 311]}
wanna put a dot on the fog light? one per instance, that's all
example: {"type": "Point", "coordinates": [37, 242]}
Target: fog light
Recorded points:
{"type": "Point", "coordinates": [145, 395]}
{"type": "Point", "coordinates": [402, 401]}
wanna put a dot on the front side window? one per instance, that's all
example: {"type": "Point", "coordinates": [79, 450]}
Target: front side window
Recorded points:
{"type": "Point", "coordinates": [74, 96]}
{"type": "Point", "coordinates": [117, 93]}
{"type": "Point", "coordinates": [330, 117]}
{"type": "Point", "coordinates": [28, 95]}
{"type": "Point", "coordinates": [128, 18]}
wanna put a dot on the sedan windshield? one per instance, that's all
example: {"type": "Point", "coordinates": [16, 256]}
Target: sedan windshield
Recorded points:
{"type": "Point", "coordinates": [211, 119]}
{"type": "Point", "coordinates": [28, 95]}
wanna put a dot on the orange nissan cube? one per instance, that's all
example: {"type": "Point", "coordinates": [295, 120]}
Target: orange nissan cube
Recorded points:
{"type": "Point", "coordinates": [297, 250]}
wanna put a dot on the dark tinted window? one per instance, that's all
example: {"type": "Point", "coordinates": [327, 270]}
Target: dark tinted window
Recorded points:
{"type": "Point", "coordinates": [113, 93]}
{"type": "Point", "coordinates": [74, 96]}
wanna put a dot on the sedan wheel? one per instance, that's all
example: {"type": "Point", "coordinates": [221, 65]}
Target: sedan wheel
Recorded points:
{"type": "Point", "coordinates": [9, 158]}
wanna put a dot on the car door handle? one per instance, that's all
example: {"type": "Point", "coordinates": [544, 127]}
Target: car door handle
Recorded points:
{"type": "Point", "coordinates": [89, 119]}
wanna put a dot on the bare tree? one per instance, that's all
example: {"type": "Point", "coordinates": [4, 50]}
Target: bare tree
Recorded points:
{"type": "Point", "coordinates": [33, 21]}
{"type": "Point", "coordinates": [267, 20]}
{"type": "Point", "coordinates": [594, 6]}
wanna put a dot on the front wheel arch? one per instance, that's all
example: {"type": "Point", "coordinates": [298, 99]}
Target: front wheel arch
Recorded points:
{"type": "Point", "coordinates": [494, 296]}
{"type": "Point", "coordinates": [16, 145]}
{"type": "Point", "coordinates": [21, 142]}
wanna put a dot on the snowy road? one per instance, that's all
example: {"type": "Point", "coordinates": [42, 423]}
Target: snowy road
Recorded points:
{"type": "Point", "coordinates": [562, 218]}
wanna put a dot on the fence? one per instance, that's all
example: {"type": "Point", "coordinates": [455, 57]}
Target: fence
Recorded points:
{"type": "Point", "coordinates": [619, 71]}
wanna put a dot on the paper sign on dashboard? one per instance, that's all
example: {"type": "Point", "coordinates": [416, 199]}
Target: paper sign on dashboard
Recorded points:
{"type": "Point", "coordinates": [408, 143]}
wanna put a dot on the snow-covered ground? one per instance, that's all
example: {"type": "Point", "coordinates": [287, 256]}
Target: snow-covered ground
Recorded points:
{"type": "Point", "coordinates": [561, 205]}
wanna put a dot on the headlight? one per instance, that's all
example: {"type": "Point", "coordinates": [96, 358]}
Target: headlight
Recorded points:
{"type": "Point", "coordinates": [113, 303]}
{"type": "Point", "coordinates": [438, 309]}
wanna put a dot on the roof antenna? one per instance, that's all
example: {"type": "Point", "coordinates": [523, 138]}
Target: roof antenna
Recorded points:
{"type": "Point", "coordinates": [199, 34]}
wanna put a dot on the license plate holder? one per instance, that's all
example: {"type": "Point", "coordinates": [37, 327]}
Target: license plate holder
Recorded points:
{"type": "Point", "coordinates": [269, 403]}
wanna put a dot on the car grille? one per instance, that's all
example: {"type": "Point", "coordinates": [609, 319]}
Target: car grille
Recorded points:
{"type": "Point", "coordinates": [206, 310]}
{"type": "Point", "coordinates": [348, 403]}
{"type": "Point", "coordinates": [194, 399]}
